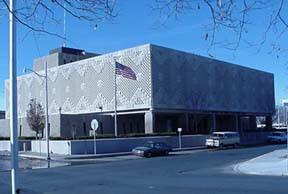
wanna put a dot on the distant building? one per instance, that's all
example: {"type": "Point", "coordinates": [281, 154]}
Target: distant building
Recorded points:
{"type": "Point", "coordinates": [173, 89]}
{"type": "Point", "coordinates": [281, 114]}
{"type": "Point", "coordinates": [285, 102]}
{"type": "Point", "coordinates": [2, 114]}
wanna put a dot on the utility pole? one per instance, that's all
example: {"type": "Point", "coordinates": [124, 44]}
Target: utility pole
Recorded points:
{"type": "Point", "coordinates": [13, 98]}
{"type": "Point", "coordinates": [64, 24]}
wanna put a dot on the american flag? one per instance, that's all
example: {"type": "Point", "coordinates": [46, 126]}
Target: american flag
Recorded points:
{"type": "Point", "coordinates": [125, 71]}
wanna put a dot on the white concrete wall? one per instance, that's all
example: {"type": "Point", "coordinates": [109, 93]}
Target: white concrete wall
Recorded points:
{"type": "Point", "coordinates": [56, 147]}
{"type": "Point", "coordinates": [5, 145]}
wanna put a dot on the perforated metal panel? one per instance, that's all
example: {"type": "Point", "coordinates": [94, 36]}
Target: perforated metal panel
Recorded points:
{"type": "Point", "coordinates": [86, 85]}
{"type": "Point", "coordinates": [180, 81]}
{"type": "Point", "coordinates": [185, 81]}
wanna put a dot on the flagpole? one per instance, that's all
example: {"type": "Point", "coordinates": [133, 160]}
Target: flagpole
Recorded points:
{"type": "Point", "coordinates": [13, 99]}
{"type": "Point", "coordinates": [115, 100]}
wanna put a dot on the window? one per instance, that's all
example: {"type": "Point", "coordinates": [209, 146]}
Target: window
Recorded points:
{"type": "Point", "coordinates": [124, 128]}
{"type": "Point", "coordinates": [131, 127]}
{"type": "Point", "coordinates": [84, 129]}
{"type": "Point", "coordinates": [101, 127]}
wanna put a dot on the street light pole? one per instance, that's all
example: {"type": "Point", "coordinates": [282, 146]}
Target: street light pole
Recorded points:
{"type": "Point", "coordinates": [13, 98]}
{"type": "Point", "coordinates": [46, 105]}
{"type": "Point", "coordinates": [46, 112]}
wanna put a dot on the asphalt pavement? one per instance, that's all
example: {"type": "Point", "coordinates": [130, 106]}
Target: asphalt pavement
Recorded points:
{"type": "Point", "coordinates": [203, 172]}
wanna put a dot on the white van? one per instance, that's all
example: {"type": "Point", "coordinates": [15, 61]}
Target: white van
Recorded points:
{"type": "Point", "coordinates": [221, 139]}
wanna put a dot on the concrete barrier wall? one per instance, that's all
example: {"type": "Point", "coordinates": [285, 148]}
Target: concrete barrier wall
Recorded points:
{"type": "Point", "coordinates": [127, 144]}
{"type": "Point", "coordinates": [23, 145]}
{"type": "Point", "coordinates": [4, 145]}
{"type": "Point", "coordinates": [4, 128]}
{"type": "Point", "coordinates": [113, 145]}
{"type": "Point", "coordinates": [56, 147]}
{"type": "Point", "coordinates": [71, 147]}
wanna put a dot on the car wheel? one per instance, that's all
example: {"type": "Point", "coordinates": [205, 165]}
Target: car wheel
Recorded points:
{"type": "Point", "coordinates": [166, 153]}
{"type": "Point", "coordinates": [148, 155]}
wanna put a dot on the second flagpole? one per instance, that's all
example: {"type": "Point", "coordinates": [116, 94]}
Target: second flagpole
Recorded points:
{"type": "Point", "coordinates": [115, 99]}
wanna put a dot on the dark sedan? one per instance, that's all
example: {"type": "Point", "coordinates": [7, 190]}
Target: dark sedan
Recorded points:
{"type": "Point", "coordinates": [152, 149]}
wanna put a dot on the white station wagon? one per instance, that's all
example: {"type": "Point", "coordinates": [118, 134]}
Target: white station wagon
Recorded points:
{"type": "Point", "coordinates": [221, 139]}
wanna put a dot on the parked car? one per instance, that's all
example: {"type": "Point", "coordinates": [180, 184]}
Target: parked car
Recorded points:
{"type": "Point", "coordinates": [277, 137]}
{"type": "Point", "coordinates": [150, 149]}
{"type": "Point", "coordinates": [221, 139]}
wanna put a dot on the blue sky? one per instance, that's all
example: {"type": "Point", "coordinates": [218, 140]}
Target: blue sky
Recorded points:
{"type": "Point", "coordinates": [137, 24]}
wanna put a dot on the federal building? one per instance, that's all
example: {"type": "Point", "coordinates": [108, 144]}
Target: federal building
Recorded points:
{"type": "Point", "coordinates": [173, 89]}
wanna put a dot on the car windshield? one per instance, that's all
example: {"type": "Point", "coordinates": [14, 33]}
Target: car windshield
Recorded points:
{"type": "Point", "coordinates": [149, 144]}
{"type": "Point", "coordinates": [219, 135]}
{"type": "Point", "coordinates": [276, 134]}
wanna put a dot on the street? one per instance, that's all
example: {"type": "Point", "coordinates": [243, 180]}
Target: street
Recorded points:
{"type": "Point", "coordinates": [204, 172]}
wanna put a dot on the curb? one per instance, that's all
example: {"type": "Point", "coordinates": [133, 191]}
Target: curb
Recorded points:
{"type": "Point", "coordinates": [92, 156]}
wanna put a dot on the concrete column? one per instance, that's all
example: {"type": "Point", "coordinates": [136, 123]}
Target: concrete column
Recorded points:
{"type": "Point", "coordinates": [236, 122]}
{"type": "Point", "coordinates": [149, 121]}
{"type": "Point", "coordinates": [268, 122]}
{"type": "Point", "coordinates": [252, 123]}
{"type": "Point", "coordinates": [213, 123]}
{"type": "Point", "coordinates": [240, 127]}
{"type": "Point", "coordinates": [187, 122]}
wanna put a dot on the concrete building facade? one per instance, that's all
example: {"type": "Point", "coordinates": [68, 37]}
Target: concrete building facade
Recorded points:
{"type": "Point", "coordinates": [173, 89]}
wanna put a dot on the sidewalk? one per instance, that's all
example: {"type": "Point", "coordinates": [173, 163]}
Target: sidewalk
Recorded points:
{"type": "Point", "coordinates": [274, 164]}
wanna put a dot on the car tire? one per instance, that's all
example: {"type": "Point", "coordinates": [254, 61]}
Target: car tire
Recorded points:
{"type": "Point", "coordinates": [166, 153]}
{"type": "Point", "coordinates": [148, 155]}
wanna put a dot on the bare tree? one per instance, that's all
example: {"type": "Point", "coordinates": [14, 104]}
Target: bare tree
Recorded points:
{"type": "Point", "coordinates": [232, 17]}
{"type": "Point", "coordinates": [35, 117]}
{"type": "Point", "coordinates": [235, 17]}
{"type": "Point", "coordinates": [38, 15]}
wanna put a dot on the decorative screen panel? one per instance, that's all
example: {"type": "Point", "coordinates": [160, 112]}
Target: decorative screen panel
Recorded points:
{"type": "Point", "coordinates": [85, 86]}
{"type": "Point", "coordinates": [185, 81]}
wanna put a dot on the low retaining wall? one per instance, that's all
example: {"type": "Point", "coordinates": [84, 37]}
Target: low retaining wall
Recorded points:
{"type": "Point", "coordinates": [24, 145]}
{"type": "Point", "coordinates": [71, 147]}
{"type": "Point", "coordinates": [56, 146]}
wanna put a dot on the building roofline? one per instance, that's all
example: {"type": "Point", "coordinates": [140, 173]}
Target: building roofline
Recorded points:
{"type": "Point", "coordinates": [211, 59]}
{"type": "Point", "coordinates": [167, 48]}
